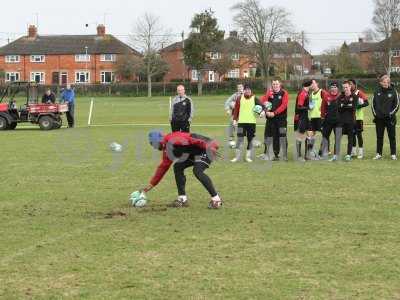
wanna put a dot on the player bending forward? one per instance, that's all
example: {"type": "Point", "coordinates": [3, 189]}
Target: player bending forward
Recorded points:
{"type": "Point", "coordinates": [185, 150]}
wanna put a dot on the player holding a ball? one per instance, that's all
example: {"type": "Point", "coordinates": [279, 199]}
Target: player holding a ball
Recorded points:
{"type": "Point", "coordinates": [185, 150]}
{"type": "Point", "coordinates": [359, 126]}
{"type": "Point", "coordinates": [229, 106]}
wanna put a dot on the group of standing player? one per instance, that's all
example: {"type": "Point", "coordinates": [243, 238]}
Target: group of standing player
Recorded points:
{"type": "Point", "coordinates": [338, 110]}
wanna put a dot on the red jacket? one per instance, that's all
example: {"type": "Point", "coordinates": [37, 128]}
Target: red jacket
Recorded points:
{"type": "Point", "coordinates": [187, 142]}
{"type": "Point", "coordinates": [282, 108]}
{"type": "Point", "coordinates": [326, 99]}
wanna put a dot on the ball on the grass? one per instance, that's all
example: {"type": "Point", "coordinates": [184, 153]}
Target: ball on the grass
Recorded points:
{"type": "Point", "coordinates": [256, 144]}
{"type": "Point", "coordinates": [115, 147]}
{"type": "Point", "coordinates": [138, 199]}
{"type": "Point", "coordinates": [232, 144]}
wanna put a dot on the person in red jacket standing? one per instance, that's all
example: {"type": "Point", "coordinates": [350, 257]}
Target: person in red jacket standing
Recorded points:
{"type": "Point", "coordinates": [184, 150]}
{"type": "Point", "coordinates": [330, 119]}
{"type": "Point", "coordinates": [276, 102]}
{"type": "Point", "coordinates": [301, 118]}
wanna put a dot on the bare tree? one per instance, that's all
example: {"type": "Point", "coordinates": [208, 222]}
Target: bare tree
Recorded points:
{"type": "Point", "coordinates": [149, 36]}
{"type": "Point", "coordinates": [262, 27]}
{"type": "Point", "coordinates": [386, 18]}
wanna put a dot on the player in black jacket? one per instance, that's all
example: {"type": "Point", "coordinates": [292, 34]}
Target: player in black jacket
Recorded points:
{"type": "Point", "coordinates": [181, 111]}
{"type": "Point", "coordinates": [347, 105]}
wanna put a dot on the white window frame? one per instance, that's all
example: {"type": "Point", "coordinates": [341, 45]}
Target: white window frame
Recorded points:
{"type": "Point", "coordinates": [108, 57]}
{"type": "Point", "coordinates": [83, 57]}
{"type": "Point", "coordinates": [16, 76]}
{"type": "Point", "coordinates": [85, 73]}
{"type": "Point", "coordinates": [38, 58]}
{"type": "Point", "coordinates": [234, 73]}
{"type": "Point", "coordinates": [102, 77]}
{"type": "Point", "coordinates": [41, 74]}
{"type": "Point", "coordinates": [12, 59]}
{"type": "Point", "coordinates": [195, 75]}
{"type": "Point", "coordinates": [297, 55]}
{"type": "Point", "coordinates": [395, 70]}
{"type": "Point", "coordinates": [235, 56]}
{"type": "Point", "coordinates": [396, 53]}
{"type": "Point", "coordinates": [215, 55]}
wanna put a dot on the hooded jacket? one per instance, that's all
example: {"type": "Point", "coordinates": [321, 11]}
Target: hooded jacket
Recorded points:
{"type": "Point", "coordinates": [385, 103]}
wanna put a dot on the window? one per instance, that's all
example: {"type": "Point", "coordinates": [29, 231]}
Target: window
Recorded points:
{"type": "Point", "coordinates": [396, 53]}
{"type": "Point", "coordinates": [395, 70]}
{"type": "Point", "coordinates": [235, 56]}
{"type": "Point", "coordinates": [195, 75]}
{"type": "Point", "coordinates": [107, 77]}
{"type": "Point", "coordinates": [108, 57]}
{"type": "Point", "coordinates": [82, 77]}
{"type": "Point", "coordinates": [12, 58]}
{"type": "Point", "coordinates": [235, 73]}
{"type": "Point", "coordinates": [297, 55]}
{"type": "Point", "coordinates": [211, 76]}
{"type": "Point", "coordinates": [276, 55]}
{"type": "Point", "coordinates": [12, 76]}
{"type": "Point", "coordinates": [37, 58]}
{"type": "Point", "coordinates": [82, 57]}
{"type": "Point", "coordinates": [37, 77]}
{"type": "Point", "coordinates": [215, 55]}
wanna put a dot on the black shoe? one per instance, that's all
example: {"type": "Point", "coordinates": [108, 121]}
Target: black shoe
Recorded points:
{"type": "Point", "coordinates": [178, 203]}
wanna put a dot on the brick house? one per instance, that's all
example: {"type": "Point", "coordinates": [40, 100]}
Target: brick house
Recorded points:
{"type": "Point", "coordinates": [285, 54]}
{"type": "Point", "coordinates": [232, 46]}
{"type": "Point", "coordinates": [372, 54]}
{"type": "Point", "coordinates": [62, 59]}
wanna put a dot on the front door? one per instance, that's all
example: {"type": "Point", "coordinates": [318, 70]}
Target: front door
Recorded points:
{"type": "Point", "coordinates": [64, 78]}
{"type": "Point", "coordinates": [55, 78]}
{"type": "Point", "coordinates": [211, 76]}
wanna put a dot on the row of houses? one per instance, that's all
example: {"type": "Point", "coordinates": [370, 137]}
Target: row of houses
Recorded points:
{"type": "Point", "coordinates": [89, 59]}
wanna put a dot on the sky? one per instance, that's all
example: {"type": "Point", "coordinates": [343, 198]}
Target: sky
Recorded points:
{"type": "Point", "coordinates": [326, 23]}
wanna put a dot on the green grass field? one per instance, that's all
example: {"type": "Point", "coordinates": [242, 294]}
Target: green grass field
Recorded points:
{"type": "Point", "coordinates": [318, 230]}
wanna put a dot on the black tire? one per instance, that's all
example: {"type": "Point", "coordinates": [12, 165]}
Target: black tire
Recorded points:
{"type": "Point", "coordinates": [12, 126]}
{"type": "Point", "coordinates": [3, 123]}
{"type": "Point", "coordinates": [46, 123]}
{"type": "Point", "coordinates": [57, 124]}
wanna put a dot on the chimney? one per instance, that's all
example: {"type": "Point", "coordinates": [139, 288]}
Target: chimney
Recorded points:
{"type": "Point", "coordinates": [361, 40]}
{"type": "Point", "coordinates": [233, 34]}
{"type": "Point", "coordinates": [289, 40]}
{"type": "Point", "coordinates": [101, 30]}
{"type": "Point", "coordinates": [32, 31]}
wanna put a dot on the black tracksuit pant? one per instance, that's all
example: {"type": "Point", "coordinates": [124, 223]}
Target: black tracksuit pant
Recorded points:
{"type": "Point", "coordinates": [348, 128]}
{"type": "Point", "coordinates": [390, 125]}
{"type": "Point", "coordinates": [200, 163]}
{"type": "Point", "coordinates": [183, 126]}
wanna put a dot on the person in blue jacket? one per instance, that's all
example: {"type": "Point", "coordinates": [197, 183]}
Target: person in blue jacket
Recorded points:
{"type": "Point", "coordinates": [68, 96]}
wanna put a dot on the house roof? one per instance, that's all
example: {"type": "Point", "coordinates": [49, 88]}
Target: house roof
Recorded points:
{"type": "Point", "coordinates": [358, 47]}
{"type": "Point", "coordinates": [234, 44]}
{"type": "Point", "coordinates": [67, 44]}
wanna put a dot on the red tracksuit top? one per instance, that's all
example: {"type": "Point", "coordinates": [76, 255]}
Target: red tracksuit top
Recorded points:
{"type": "Point", "coordinates": [188, 143]}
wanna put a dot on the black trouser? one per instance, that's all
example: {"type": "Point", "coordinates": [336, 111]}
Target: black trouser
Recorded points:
{"type": "Point", "coordinates": [390, 125]}
{"type": "Point", "coordinates": [183, 126]}
{"type": "Point", "coordinates": [326, 134]}
{"type": "Point", "coordinates": [276, 128]}
{"type": "Point", "coordinates": [71, 115]}
{"type": "Point", "coordinates": [200, 164]}
{"type": "Point", "coordinates": [348, 128]}
{"type": "Point", "coordinates": [358, 134]}
{"type": "Point", "coordinates": [245, 130]}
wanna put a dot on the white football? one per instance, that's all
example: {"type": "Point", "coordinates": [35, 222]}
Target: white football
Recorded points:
{"type": "Point", "coordinates": [256, 144]}
{"type": "Point", "coordinates": [232, 144]}
{"type": "Point", "coordinates": [115, 147]}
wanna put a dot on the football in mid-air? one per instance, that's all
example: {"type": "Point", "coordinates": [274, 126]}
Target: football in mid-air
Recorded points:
{"type": "Point", "coordinates": [138, 199]}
